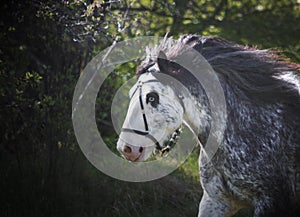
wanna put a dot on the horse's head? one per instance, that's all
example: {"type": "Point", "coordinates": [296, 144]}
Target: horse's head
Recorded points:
{"type": "Point", "coordinates": [162, 100]}
{"type": "Point", "coordinates": [154, 115]}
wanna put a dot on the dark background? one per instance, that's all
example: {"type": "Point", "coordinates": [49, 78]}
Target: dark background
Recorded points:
{"type": "Point", "coordinates": [44, 47]}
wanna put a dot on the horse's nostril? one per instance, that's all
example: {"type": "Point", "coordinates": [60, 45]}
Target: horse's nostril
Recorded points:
{"type": "Point", "coordinates": [127, 149]}
{"type": "Point", "coordinates": [141, 149]}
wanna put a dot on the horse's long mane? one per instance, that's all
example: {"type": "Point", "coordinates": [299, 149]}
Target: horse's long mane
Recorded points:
{"type": "Point", "coordinates": [261, 75]}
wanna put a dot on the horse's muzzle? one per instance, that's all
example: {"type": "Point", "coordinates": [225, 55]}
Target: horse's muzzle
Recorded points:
{"type": "Point", "coordinates": [130, 152]}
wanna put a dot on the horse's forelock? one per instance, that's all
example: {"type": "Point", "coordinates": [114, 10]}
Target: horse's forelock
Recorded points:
{"type": "Point", "coordinates": [172, 48]}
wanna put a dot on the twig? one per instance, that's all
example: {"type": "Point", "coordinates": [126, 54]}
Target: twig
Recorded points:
{"type": "Point", "coordinates": [100, 65]}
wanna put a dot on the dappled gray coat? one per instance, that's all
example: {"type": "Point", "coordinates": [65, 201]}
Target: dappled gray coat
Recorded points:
{"type": "Point", "coordinates": [257, 164]}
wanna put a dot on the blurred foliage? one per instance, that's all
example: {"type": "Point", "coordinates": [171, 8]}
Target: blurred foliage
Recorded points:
{"type": "Point", "coordinates": [45, 44]}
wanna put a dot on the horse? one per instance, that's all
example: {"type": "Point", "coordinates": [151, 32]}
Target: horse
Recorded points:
{"type": "Point", "coordinates": [257, 163]}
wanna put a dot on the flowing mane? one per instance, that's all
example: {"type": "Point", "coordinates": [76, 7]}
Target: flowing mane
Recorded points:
{"type": "Point", "coordinates": [259, 74]}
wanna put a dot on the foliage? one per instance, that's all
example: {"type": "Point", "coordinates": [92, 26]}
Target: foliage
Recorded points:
{"type": "Point", "coordinates": [44, 47]}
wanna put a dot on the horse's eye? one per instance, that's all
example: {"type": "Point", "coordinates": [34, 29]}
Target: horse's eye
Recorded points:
{"type": "Point", "coordinates": [152, 98]}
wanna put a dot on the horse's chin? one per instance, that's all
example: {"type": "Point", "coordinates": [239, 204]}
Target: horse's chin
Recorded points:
{"type": "Point", "coordinates": [139, 159]}
{"type": "Point", "coordinates": [144, 156]}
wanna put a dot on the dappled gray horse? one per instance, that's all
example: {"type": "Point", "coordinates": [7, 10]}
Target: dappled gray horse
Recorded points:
{"type": "Point", "coordinates": [257, 162]}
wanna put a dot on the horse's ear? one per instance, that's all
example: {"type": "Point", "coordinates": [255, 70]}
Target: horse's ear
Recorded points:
{"type": "Point", "coordinates": [167, 66]}
{"type": "Point", "coordinates": [162, 61]}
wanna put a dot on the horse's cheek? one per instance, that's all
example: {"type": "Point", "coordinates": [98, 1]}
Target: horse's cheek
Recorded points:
{"type": "Point", "coordinates": [158, 120]}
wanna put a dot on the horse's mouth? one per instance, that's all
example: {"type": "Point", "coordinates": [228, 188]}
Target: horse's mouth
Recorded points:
{"type": "Point", "coordinates": [137, 159]}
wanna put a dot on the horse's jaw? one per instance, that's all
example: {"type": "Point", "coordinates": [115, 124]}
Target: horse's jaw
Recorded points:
{"type": "Point", "coordinates": [196, 116]}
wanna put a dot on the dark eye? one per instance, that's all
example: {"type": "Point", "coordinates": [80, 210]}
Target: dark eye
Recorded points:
{"type": "Point", "coordinates": [152, 98]}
